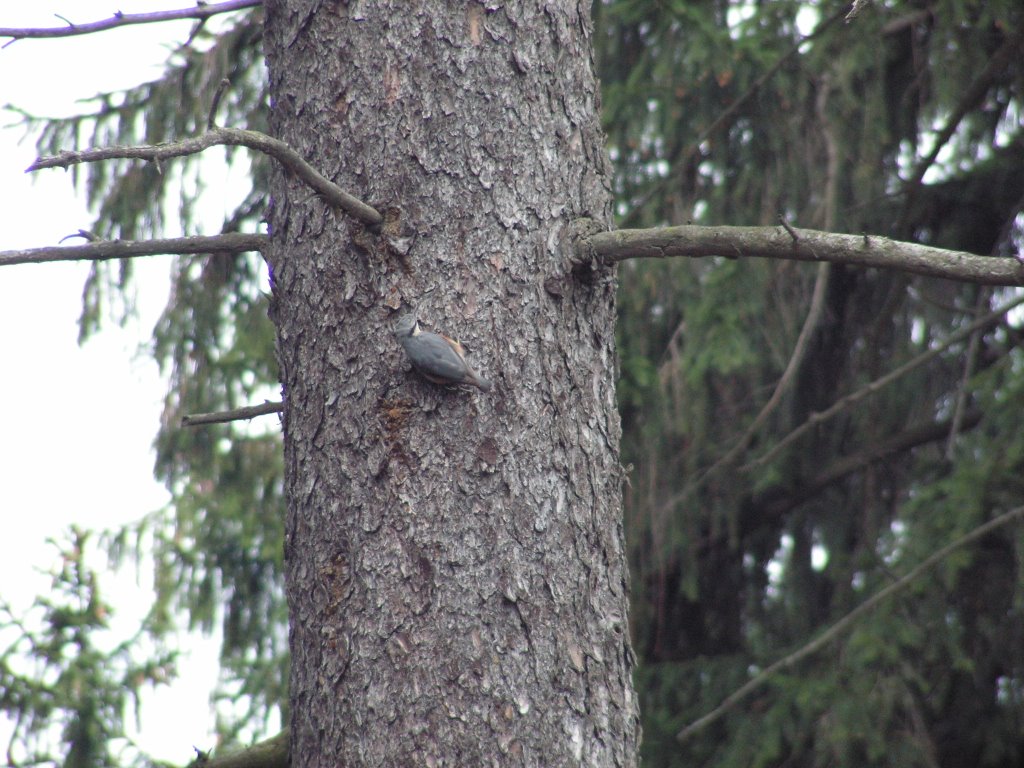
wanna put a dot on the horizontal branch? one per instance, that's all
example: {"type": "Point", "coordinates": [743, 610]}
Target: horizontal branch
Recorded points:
{"type": "Point", "coordinates": [261, 142]}
{"type": "Point", "coordinates": [238, 414]}
{"type": "Point", "coordinates": [201, 11]}
{"type": "Point", "coordinates": [802, 245]}
{"type": "Point", "coordinates": [101, 250]}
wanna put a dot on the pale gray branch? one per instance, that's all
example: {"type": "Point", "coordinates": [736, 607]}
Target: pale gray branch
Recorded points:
{"type": "Point", "coordinates": [200, 11]}
{"type": "Point", "coordinates": [284, 154]}
{"type": "Point", "coordinates": [808, 245]}
{"type": "Point", "coordinates": [101, 250]}
{"type": "Point", "coordinates": [238, 414]}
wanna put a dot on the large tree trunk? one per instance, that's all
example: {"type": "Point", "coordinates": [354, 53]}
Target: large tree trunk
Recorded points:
{"type": "Point", "coordinates": [454, 560]}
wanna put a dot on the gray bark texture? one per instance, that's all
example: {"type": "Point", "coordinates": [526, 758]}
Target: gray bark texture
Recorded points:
{"type": "Point", "coordinates": [454, 559]}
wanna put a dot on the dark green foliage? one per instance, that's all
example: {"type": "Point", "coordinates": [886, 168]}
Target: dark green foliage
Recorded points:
{"type": "Point", "coordinates": [716, 114]}
{"type": "Point", "coordinates": [737, 567]}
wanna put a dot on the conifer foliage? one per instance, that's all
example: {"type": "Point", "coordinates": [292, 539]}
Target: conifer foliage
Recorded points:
{"type": "Point", "coordinates": [798, 437]}
{"type": "Point", "coordinates": [902, 121]}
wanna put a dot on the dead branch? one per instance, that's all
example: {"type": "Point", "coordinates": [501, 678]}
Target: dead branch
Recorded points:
{"type": "Point", "coordinates": [809, 245]}
{"type": "Point", "coordinates": [201, 11]}
{"type": "Point", "coordinates": [261, 142]}
{"type": "Point", "coordinates": [238, 414]}
{"type": "Point", "coordinates": [101, 250]}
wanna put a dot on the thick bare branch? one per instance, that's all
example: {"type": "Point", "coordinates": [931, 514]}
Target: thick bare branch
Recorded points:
{"type": "Point", "coordinates": [807, 245]}
{"type": "Point", "coordinates": [845, 623]}
{"type": "Point", "coordinates": [101, 250]}
{"type": "Point", "coordinates": [200, 11]}
{"type": "Point", "coordinates": [238, 414]}
{"type": "Point", "coordinates": [284, 154]}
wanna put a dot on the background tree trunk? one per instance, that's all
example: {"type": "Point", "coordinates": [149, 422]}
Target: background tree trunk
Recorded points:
{"type": "Point", "coordinates": [454, 561]}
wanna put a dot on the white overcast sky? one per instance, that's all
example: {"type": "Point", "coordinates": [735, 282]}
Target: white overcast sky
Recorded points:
{"type": "Point", "coordinates": [78, 423]}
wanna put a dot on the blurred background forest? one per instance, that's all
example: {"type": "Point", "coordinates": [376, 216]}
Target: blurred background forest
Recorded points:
{"type": "Point", "coordinates": [746, 539]}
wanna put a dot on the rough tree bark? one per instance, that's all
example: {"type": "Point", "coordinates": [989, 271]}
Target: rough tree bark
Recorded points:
{"type": "Point", "coordinates": [454, 560]}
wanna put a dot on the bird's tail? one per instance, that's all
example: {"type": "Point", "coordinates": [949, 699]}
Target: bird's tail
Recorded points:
{"type": "Point", "coordinates": [479, 381]}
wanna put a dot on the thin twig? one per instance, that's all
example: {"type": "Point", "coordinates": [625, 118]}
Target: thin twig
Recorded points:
{"type": "Point", "coordinates": [855, 397]}
{"type": "Point", "coordinates": [238, 414]}
{"type": "Point", "coordinates": [844, 623]}
{"type": "Point", "coordinates": [772, 507]}
{"type": "Point", "coordinates": [261, 142]}
{"type": "Point", "coordinates": [764, 78]}
{"type": "Point", "coordinates": [972, 96]}
{"type": "Point", "coordinates": [201, 11]}
{"type": "Point", "coordinates": [727, 114]}
{"type": "Point", "coordinates": [85, 234]}
{"type": "Point", "coordinates": [101, 250]}
{"type": "Point", "coordinates": [222, 86]}
{"type": "Point", "coordinates": [789, 228]}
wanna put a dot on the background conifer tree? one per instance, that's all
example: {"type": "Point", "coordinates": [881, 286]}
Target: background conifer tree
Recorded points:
{"type": "Point", "coordinates": [746, 538]}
